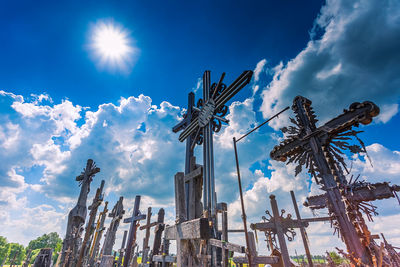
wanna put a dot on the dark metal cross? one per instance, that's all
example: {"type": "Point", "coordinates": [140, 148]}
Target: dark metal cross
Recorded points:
{"type": "Point", "coordinates": [200, 123]}
{"type": "Point", "coordinates": [321, 151]}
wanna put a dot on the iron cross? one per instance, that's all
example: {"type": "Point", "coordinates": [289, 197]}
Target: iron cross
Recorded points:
{"type": "Point", "coordinates": [320, 149]}
{"type": "Point", "coordinates": [202, 120]}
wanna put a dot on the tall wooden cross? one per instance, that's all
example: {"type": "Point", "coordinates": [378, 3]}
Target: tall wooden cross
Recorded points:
{"type": "Point", "coordinates": [318, 149]}
{"type": "Point", "coordinates": [94, 250]}
{"type": "Point", "coordinates": [122, 250]}
{"type": "Point", "coordinates": [145, 247]}
{"type": "Point", "coordinates": [158, 232]}
{"type": "Point", "coordinates": [134, 220]}
{"type": "Point", "coordinates": [116, 214]}
{"type": "Point", "coordinates": [77, 216]}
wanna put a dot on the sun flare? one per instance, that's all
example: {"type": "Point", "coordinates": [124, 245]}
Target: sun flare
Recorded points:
{"type": "Point", "coordinates": [112, 46]}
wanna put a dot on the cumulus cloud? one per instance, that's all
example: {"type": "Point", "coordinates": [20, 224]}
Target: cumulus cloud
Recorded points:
{"type": "Point", "coordinates": [353, 55]}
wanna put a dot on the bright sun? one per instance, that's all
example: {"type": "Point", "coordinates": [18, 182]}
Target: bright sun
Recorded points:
{"type": "Point", "coordinates": [112, 46]}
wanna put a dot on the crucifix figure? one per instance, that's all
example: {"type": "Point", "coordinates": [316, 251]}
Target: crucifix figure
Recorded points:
{"type": "Point", "coordinates": [321, 151]}
{"type": "Point", "coordinates": [77, 216]}
{"type": "Point", "coordinates": [134, 220]}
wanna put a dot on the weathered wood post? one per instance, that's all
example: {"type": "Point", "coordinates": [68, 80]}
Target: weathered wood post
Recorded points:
{"type": "Point", "coordinates": [122, 250]}
{"type": "Point", "coordinates": [136, 217]}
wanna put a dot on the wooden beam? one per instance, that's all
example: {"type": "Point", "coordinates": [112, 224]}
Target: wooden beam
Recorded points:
{"type": "Point", "coordinates": [164, 258]}
{"type": "Point", "coordinates": [194, 229]}
{"type": "Point", "coordinates": [257, 260]}
{"type": "Point", "coordinates": [227, 245]}
{"type": "Point", "coordinates": [198, 172]}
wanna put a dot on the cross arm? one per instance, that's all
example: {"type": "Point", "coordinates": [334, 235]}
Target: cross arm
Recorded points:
{"type": "Point", "coordinates": [232, 89]}
{"type": "Point", "coordinates": [267, 226]}
{"type": "Point", "coordinates": [227, 245]}
{"type": "Point", "coordinates": [257, 260]}
{"type": "Point", "coordinates": [136, 218]}
{"type": "Point", "coordinates": [357, 113]}
{"type": "Point", "coordinates": [194, 229]}
{"type": "Point", "coordinates": [149, 226]}
{"type": "Point", "coordinates": [364, 192]}
{"type": "Point", "coordinates": [198, 172]}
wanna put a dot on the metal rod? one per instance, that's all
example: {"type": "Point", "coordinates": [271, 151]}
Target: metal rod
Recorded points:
{"type": "Point", "coordinates": [273, 117]}
{"type": "Point", "coordinates": [242, 204]}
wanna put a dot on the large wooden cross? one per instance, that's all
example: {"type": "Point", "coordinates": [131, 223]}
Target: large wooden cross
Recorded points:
{"type": "Point", "coordinates": [136, 217]}
{"type": "Point", "coordinates": [159, 228]}
{"type": "Point", "coordinates": [116, 214]}
{"type": "Point", "coordinates": [316, 148]}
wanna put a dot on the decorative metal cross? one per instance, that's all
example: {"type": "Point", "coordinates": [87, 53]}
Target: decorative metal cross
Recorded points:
{"type": "Point", "coordinates": [200, 122]}
{"type": "Point", "coordinates": [321, 151]}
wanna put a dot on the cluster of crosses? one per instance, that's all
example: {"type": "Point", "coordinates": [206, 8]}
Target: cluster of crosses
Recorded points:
{"type": "Point", "coordinates": [201, 225]}
{"type": "Point", "coordinates": [86, 252]}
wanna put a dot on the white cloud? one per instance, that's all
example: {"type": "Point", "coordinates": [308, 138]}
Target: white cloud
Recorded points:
{"type": "Point", "coordinates": [356, 59]}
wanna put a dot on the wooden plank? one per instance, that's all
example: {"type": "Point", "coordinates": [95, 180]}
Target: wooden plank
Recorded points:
{"type": "Point", "coordinates": [180, 203]}
{"type": "Point", "coordinates": [194, 229]}
{"type": "Point", "coordinates": [198, 172]}
{"type": "Point", "coordinates": [227, 245]}
{"type": "Point", "coordinates": [264, 226]}
{"type": "Point", "coordinates": [164, 258]}
{"type": "Point", "coordinates": [235, 230]}
{"type": "Point", "coordinates": [257, 260]}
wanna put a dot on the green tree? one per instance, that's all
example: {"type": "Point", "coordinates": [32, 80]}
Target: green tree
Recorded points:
{"type": "Point", "coordinates": [51, 240]}
{"type": "Point", "coordinates": [4, 248]}
{"type": "Point", "coordinates": [19, 251]}
{"type": "Point", "coordinates": [336, 258]}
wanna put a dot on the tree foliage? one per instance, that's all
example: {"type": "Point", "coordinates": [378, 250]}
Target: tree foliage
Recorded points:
{"type": "Point", "coordinates": [336, 258]}
{"type": "Point", "coordinates": [17, 252]}
{"type": "Point", "coordinates": [4, 248]}
{"type": "Point", "coordinates": [51, 240]}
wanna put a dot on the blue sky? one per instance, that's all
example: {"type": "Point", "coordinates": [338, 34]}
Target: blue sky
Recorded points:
{"type": "Point", "coordinates": [58, 107]}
